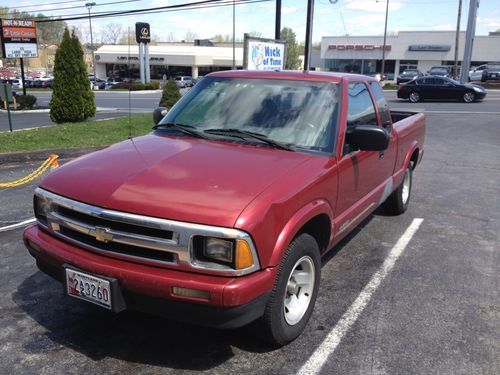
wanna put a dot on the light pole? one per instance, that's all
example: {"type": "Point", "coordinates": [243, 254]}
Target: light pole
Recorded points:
{"type": "Point", "coordinates": [89, 7]}
{"type": "Point", "coordinates": [385, 37]}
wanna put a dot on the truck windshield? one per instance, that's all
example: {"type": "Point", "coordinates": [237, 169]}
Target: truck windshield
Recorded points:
{"type": "Point", "coordinates": [299, 114]}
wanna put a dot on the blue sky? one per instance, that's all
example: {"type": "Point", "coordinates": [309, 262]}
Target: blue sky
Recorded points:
{"type": "Point", "coordinates": [353, 17]}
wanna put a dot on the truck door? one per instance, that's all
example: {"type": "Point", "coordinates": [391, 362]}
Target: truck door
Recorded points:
{"type": "Point", "coordinates": [361, 173]}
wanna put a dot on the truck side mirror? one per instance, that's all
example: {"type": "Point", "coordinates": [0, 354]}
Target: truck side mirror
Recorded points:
{"type": "Point", "coordinates": [158, 114]}
{"type": "Point", "coordinates": [370, 138]}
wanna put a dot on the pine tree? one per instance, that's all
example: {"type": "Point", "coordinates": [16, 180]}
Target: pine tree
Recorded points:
{"type": "Point", "coordinates": [72, 98]}
{"type": "Point", "coordinates": [170, 94]}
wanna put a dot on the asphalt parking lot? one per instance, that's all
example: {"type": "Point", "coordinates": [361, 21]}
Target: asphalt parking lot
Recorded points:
{"type": "Point", "coordinates": [436, 312]}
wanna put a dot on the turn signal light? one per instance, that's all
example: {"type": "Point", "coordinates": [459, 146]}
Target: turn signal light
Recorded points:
{"type": "Point", "coordinates": [191, 293]}
{"type": "Point", "coordinates": [244, 257]}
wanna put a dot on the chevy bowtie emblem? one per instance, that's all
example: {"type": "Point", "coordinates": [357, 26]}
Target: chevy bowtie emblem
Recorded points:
{"type": "Point", "coordinates": [101, 234]}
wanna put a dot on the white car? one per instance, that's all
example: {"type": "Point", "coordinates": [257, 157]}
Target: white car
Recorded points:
{"type": "Point", "coordinates": [476, 73]}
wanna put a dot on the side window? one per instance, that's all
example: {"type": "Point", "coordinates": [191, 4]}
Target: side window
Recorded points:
{"type": "Point", "coordinates": [360, 111]}
{"type": "Point", "coordinates": [439, 81]}
{"type": "Point", "coordinates": [429, 81]}
{"type": "Point", "coordinates": [383, 108]}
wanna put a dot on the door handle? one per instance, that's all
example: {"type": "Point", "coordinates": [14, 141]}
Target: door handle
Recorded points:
{"type": "Point", "coordinates": [381, 155]}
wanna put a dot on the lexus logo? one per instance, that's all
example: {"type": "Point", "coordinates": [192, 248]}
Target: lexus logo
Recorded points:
{"type": "Point", "coordinates": [101, 234]}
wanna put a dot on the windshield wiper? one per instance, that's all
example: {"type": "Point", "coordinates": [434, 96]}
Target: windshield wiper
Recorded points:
{"type": "Point", "coordinates": [247, 134]}
{"type": "Point", "coordinates": [186, 129]}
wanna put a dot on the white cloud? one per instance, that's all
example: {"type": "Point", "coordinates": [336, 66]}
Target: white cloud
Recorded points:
{"type": "Point", "coordinates": [288, 10]}
{"type": "Point", "coordinates": [371, 6]}
{"type": "Point", "coordinates": [158, 3]}
{"type": "Point", "coordinates": [489, 22]}
{"type": "Point", "coordinates": [443, 27]}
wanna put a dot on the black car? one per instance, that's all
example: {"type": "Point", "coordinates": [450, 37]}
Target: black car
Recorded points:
{"type": "Point", "coordinates": [408, 75]}
{"type": "Point", "coordinates": [440, 88]}
{"type": "Point", "coordinates": [491, 73]}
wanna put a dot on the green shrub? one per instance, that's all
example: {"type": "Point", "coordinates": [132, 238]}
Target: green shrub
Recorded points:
{"type": "Point", "coordinates": [152, 85]}
{"type": "Point", "coordinates": [170, 94]}
{"type": "Point", "coordinates": [136, 86]}
{"type": "Point", "coordinates": [121, 86]}
{"type": "Point", "coordinates": [26, 101]}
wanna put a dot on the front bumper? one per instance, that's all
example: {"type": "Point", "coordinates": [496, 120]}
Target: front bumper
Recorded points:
{"type": "Point", "coordinates": [234, 301]}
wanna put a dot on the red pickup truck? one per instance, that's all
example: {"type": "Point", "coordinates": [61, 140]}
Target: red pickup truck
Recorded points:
{"type": "Point", "coordinates": [221, 214]}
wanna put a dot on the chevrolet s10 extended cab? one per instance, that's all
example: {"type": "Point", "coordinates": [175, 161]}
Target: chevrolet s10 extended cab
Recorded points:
{"type": "Point", "coordinates": [221, 214]}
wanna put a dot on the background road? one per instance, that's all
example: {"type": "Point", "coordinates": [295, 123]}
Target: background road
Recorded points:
{"type": "Point", "coordinates": [437, 312]}
{"type": "Point", "coordinates": [116, 104]}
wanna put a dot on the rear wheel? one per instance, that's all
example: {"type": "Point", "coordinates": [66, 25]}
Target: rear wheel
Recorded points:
{"type": "Point", "coordinates": [469, 97]}
{"type": "Point", "coordinates": [398, 201]}
{"type": "Point", "coordinates": [414, 97]}
{"type": "Point", "coordinates": [294, 294]}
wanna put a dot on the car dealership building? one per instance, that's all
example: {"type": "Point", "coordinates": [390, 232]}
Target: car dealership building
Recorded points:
{"type": "Point", "coordinates": [357, 54]}
{"type": "Point", "coordinates": [404, 50]}
{"type": "Point", "coordinates": [170, 59]}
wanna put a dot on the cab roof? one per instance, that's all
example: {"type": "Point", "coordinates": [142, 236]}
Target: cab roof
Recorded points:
{"type": "Point", "coordinates": [295, 75]}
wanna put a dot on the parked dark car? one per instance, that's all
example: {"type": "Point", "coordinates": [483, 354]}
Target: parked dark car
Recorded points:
{"type": "Point", "coordinates": [441, 71]}
{"type": "Point", "coordinates": [101, 84]}
{"type": "Point", "coordinates": [440, 88]}
{"type": "Point", "coordinates": [491, 73]}
{"type": "Point", "coordinates": [408, 75]}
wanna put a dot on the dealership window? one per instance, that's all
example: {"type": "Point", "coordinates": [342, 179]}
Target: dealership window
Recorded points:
{"type": "Point", "coordinates": [407, 65]}
{"type": "Point", "coordinates": [351, 66]}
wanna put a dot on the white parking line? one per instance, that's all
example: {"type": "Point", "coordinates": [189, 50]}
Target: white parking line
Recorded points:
{"type": "Point", "coordinates": [18, 225]}
{"type": "Point", "coordinates": [330, 343]}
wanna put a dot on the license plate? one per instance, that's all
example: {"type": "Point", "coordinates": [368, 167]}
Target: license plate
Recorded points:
{"type": "Point", "coordinates": [88, 287]}
{"type": "Point", "coordinates": [494, 75]}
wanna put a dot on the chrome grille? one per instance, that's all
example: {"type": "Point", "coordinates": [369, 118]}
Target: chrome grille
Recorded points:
{"type": "Point", "coordinates": [132, 237]}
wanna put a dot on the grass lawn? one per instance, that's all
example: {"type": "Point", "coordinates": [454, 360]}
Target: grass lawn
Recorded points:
{"type": "Point", "coordinates": [84, 134]}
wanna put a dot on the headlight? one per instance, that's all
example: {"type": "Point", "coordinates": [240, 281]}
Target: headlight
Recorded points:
{"type": "Point", "coordinates": [218, 249]}
{"type": "Point", "coordinates": [477, 89]}
{"type": "Point", "coordinates": [42, 208]}
{"type": "Point", "coordinates": [219, 253]}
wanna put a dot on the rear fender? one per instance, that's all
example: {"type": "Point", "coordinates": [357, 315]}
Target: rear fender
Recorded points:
{"type": "Point", "coordinates": [399, 174]}
{"type": "Point", "coordinates": [295, 224]}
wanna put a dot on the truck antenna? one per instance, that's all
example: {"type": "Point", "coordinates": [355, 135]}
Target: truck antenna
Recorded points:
{"type": "Point", "coordinates": [129, 88]}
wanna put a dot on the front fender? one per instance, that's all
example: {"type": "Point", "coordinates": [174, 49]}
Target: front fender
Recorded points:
{"type": "Point", "coordinates": [294, 225]}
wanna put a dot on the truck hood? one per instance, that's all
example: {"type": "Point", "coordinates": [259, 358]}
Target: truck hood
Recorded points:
{"type": "Point", "coordinates": [174, 177]}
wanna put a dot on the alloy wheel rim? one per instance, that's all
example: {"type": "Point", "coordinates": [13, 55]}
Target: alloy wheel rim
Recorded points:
{"type": "Point", "coordinates": [299, 290]}
{"type": "Point", "coordinates": [468, 97]}
{"type": "Point", "coordinates": [405, 195]}
{"type": "Point", "coordinates": [414, 97]}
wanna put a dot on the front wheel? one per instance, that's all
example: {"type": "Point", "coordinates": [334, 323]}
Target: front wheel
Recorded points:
{"type": "Point", "coordinates": [294, 294]}
{"type": "Point", "coordinates": [414, 97]}
{"type": "Point", "coordinates": [469, 97]}
{"type": "Point", "coordinates": [398, 201]}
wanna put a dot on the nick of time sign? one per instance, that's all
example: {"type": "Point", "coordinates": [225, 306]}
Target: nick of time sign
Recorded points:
{"type": "Point", "coordinates": [19, 39]}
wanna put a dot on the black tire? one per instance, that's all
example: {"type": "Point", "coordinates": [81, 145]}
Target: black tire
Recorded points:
{"type": "Point", "coordinates": [469, 97]}
{"type": "Point", "coordinates": [275, 324]}
{"type": "Point", "coordinates": [414, 97]}
{"type": "Point", "coordinates": [398, 201]}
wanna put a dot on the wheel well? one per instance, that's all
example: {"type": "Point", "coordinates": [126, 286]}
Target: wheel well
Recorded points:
{"type": "Point", "coordinates": [319, 227]}
{"type": "Point", "coordinates": [414, 158]}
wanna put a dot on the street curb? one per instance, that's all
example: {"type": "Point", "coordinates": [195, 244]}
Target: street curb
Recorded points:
{"type": "Point", "coordinates": [25, 157]}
